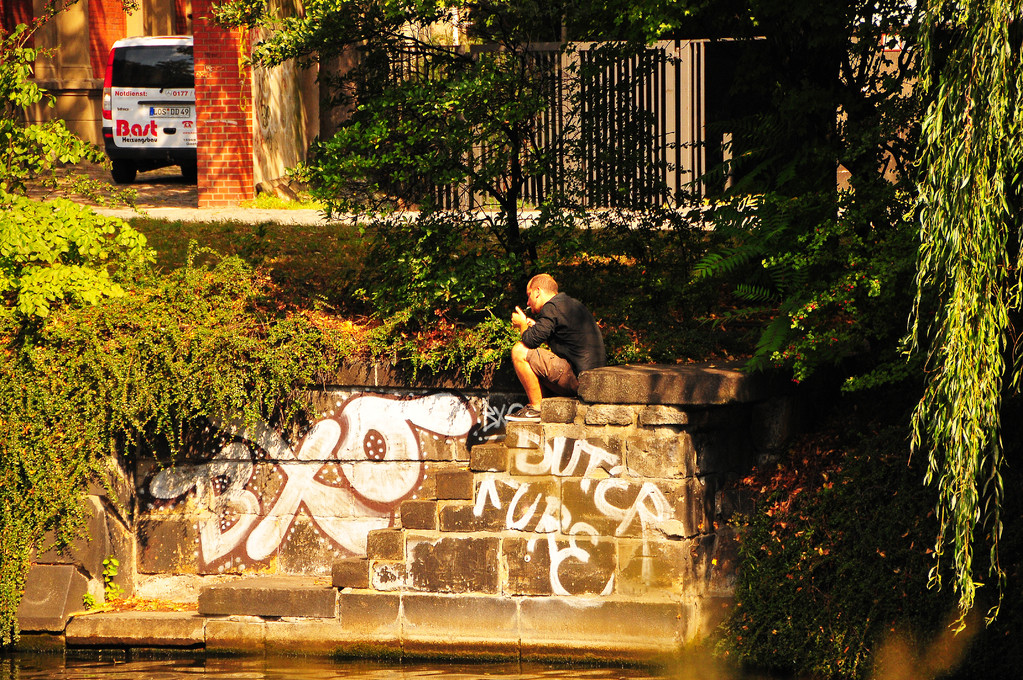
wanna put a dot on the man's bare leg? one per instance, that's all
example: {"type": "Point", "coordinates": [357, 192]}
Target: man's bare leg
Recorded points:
{"type": "Point", "coordinates": [530, 382]}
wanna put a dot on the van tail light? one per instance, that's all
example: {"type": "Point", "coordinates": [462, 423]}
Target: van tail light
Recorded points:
{"type": "Point", "coordinates": [106, 87]}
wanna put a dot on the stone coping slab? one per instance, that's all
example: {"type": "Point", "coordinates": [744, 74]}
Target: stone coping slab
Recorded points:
{"type": "Point", "coordinates": [705, 384]}
{"type": "Point", "coordinates": [412, 625]}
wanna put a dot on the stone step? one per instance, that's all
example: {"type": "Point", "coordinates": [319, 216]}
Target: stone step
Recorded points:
{"type": "Point", "coordinates": [136, 629]}
{"type": "Point", "coordinates": [270, 596]}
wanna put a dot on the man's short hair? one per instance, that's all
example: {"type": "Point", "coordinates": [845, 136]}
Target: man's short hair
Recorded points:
{"type": "Point", "coordinates": [544, 282]}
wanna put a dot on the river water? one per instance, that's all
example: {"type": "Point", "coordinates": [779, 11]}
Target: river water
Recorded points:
{"type": "Point", "coordinates": [55, 667]}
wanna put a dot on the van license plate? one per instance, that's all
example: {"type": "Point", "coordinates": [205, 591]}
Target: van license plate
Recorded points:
{"type": "Point", "coordinates": [170, 111]}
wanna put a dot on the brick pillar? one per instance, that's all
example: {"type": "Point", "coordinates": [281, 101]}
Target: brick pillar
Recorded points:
{"type": "Point", "coordinates": [107, 23]}
{"type": "Point", "coordinates": [223, 102]}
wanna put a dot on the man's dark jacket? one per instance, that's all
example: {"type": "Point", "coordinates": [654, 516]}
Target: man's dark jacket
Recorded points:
{"type": "Point", "coordinates": [570, 331]}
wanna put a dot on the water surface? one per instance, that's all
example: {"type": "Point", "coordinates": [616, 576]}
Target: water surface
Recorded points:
{"type": "Point", "coordinates": [55, 667]}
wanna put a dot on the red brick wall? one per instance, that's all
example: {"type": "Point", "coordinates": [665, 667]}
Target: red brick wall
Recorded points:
{"type": "Point", "coordinates": [107, 23]}
{"type": "Point", "coordinates": [14, 12]}
{"type": "Point", "coordinates": [223, 102]}
{"type": "Point", "coordinates": [182, 20]}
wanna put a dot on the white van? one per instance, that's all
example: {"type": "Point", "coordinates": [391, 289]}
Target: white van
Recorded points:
{"type": "Point", "coordinates": [149, 106]}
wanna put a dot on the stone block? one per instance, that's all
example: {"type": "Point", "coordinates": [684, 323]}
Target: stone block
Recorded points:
{"type": "Point", "coordinates": [569, 457]}
{"type": "Point", "coordinates": [88, 551]}
{"type": "Point", "coordinates": [488, 458]}
{"type": "Point", "coordinates": [693, 504]}
{"type": "Point", "coordinates": [52, 592]}
{"type": "Point", "coordinates": [350, 572]}
{"type": "Point", "coordinates": [122, 546]}
{"type": "Point", "coordinates": [308, 550]}
{"type": "Point", "coordinates": [682, 385]}
{"type": "Point", "coordinates": [774, 421]}
{"type": "Point", "coordinates": [236, 635]}
{"type": "Point", "coordinates": [601, 630]}
{"type": "Point", "coordinates": [732, 501]}
{"type": "Point", "coordinates": [116, 487]}
{"type": "Point", "coordinates": [454, 485]}
{"type": "Point", "coordinates": [419, 514]}
{"type": "Point", "coordinates": [371, 622]}
{"type": "Point", "coordinates": [314, 637]}
{"type": "Point", "coordinates": [452, 564]}
{"type": "Point", "coordinates": [661, 455]}
{"type": "Point", "coordinates": [136, 629]}
{"type": "Point", "coordinates": [385, 544]}
{"type": "Point", "coordinates": [720, 451]}
{"type": "Point", "coordinates": [724, 562]}
{"type": "Point", "coordinates": [651, 568]}
{"type": "Point", "coordinates": [523, 435]}
{"type": "Point", "coordinates": [386, 576]}
{"type": "Point", "coordinates": [621, 507]}
{"type": "Point", "coordinates": [168, 546]}
{"type": "Point", "coordinates": [580, 565]}
{"type": "Point", "coordinates": [269, 596]}
{"type": "Point", "coordinates": [437, 447]}
{"type": "Point", "coordinates": [650, 416]}
{"type": "Point", "coordinates": [609, 414]}
{"type": "Point", "coordinates": [528, 462]}
{"type": "Point", "coordinates": [709, 613]}
{"type": "Point", "coordinates": [559, 410]}
{"type": "Point", "coordinates": [508, 504]}
{"type": "Point", "coordinates": [463, 518]}
{"type": "Point", "coordinates": [465, 626]}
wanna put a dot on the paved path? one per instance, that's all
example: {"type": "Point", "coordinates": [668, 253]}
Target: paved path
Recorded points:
{"type": "Point", "coordinates": [248, 215]}
{"type": "Point", "coordinates": [165, 194]}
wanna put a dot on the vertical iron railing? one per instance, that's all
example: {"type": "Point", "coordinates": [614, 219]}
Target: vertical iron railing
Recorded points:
{"type": "Point", "coordinates": [638, 123]}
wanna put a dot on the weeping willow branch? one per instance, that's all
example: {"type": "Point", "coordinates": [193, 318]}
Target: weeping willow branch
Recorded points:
{"type": "Point", "coordinates": [969, 269]}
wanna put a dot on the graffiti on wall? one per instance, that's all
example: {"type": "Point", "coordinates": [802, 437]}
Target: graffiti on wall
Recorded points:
{"type": "Point", "coordinates": [348, 475]}
{"type": "Point", "coordinates": [627, 508]}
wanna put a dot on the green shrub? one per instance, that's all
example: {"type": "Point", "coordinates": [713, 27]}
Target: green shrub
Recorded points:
{"type": "Point", "coordinates": [835, 561]}
{"type": "Point", "coordinates": [60, 251]}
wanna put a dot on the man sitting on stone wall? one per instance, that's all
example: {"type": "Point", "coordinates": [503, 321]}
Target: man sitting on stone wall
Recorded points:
{"type": "Point", "coordinates": [571, 333]}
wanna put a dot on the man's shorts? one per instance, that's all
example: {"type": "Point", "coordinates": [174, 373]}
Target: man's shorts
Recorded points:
{"type": "Point", "coordinates": [556, 374]}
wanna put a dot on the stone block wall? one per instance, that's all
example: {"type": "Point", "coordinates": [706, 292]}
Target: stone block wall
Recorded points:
{"type": "Point", "coordinates": [598, 504]}
{"type": "Point", "coordinates": [613, 508]}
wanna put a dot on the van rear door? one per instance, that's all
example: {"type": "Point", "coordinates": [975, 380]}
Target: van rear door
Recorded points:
{"type": "Point", "coordinates": [152, 97]}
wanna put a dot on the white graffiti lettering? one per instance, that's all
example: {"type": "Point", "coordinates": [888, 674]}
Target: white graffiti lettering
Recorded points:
{"type": "Point", "coordinates": [494, 417]}
{"type": "Point", "coordinates": [564, 457]}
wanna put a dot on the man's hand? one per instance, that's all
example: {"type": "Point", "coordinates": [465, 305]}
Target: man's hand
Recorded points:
{"type": "Point", "coordinates": [520, 321]}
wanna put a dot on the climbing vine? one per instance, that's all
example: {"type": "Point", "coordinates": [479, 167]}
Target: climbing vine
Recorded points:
{"type": "Point", "coordinates": [969, 264]}
{"type": "Point", "coordinates": [94, 381]}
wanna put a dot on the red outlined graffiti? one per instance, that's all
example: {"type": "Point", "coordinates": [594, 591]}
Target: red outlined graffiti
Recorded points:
{"type": "Point", "coordinates": [348, 474]}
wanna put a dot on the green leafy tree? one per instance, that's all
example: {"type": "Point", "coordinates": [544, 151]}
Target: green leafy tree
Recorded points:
{"type": "Point", "coordinates": [31, 151]}
{"type": "Point", "coordinates": [477, 130]}
{"type": "Point", "coordinates": [824, 268]}
{"type": "Point", "coordinates": [969, 285]}
{"type": "Point", "coordinates": [60, 251]}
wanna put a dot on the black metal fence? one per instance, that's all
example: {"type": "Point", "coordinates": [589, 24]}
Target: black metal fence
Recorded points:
{"type": "Point", "coordinates": [623, 127]}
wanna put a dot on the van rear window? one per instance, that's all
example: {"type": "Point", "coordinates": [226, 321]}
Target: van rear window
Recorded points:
{"type": "Point", "coordinates": [166, 66]}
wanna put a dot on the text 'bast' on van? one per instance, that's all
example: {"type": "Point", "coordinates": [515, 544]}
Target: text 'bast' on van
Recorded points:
{"type": "Point", "coordinates": [149, 106]}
